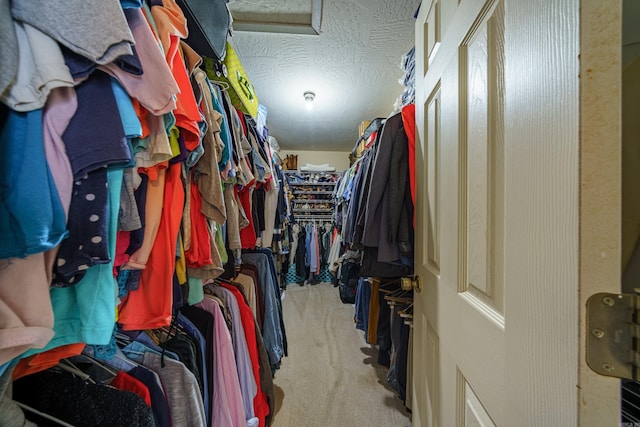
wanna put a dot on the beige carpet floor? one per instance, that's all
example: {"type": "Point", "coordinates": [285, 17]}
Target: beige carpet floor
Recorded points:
{"type": "Point", "coordinates": [330, 377]}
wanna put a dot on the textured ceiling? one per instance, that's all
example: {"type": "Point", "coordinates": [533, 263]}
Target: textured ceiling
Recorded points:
{"type": "Point", "coordinates": [353, 66]}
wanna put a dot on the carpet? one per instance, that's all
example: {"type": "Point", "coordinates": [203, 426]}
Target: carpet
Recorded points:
{"type": "Point", "coordinates": [330, 377]}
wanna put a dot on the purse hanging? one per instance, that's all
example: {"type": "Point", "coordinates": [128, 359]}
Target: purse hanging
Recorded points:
{"type": "Point", "coordinates": [208, 23]}
{"type": "Point", "coordinates": [230, 71]}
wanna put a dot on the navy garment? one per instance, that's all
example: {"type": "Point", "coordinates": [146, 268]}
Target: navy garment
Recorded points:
{"type": "Point", "coordinates": [258, 196]}
{"type": "Point", "coordinates": [363, 296]}
{"type": "Point", "coordinates": [397, 374]}
{"type": "Point", "coordinates": [178, 299]}
{"type": "Point", "coordinates": [130, 63]}
{"type": "Point", "coordinates": [358, 196]}
{"type": "Point", "coordinates": [273, 325]}
{"type": "Point", "coordinates": [87, 244]}
{"type": "Point", "coordinates": [159, 405]}
{"type": "Point", "coordinates": [95, 137]}
{"type": "Point", "coordinates": [81, 67]}
{"type": "Point", "coordinates": [301, 251]}
{"type": "Point", "coordinates": [281, 210]}
{"type": "Point", "coordinates": [401, 360]}
{"type": "Point", "coordinates": [385, 345]}
{"type": "Point", "coordinates": [184, 153]}
{"type": "Point", "coordinates": [203, 320]}
{"type": "Point", "coordinates": [274, 273]}
{"type": "Point", "coordinates": [201, 358]}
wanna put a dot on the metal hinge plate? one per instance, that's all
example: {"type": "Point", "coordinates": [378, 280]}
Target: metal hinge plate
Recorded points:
{"type": "Point", "coordinates": [612, 334]}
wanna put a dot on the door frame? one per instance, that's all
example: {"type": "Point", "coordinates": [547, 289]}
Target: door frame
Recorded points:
{"type": "Point", "coordinates": [600, 189]}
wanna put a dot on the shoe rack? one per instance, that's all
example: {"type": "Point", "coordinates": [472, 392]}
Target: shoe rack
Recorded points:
{"type": "Point", "coordinates": [312, 194]}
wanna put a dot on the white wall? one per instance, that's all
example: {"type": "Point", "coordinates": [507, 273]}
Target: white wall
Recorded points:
{"type": "Point", "coordinates": [337, 159]}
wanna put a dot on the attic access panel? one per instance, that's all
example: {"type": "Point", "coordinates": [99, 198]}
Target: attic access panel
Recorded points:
{"type": "Point", "coordinates": [277, 16]}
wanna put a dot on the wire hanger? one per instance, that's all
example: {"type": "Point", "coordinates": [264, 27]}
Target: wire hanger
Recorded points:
{"type": "Point", "coordinates": [406, 312]}
{"type": "Point", "coordinates": [69, 366]}
{"type": "Point", "coordinates": [399, 296]}
{"type": "Point", "coordinates": [389, 287]}
{"type": "Point", "coordinates": [43, 415]}
{"type": "Point", "coordinates": [98, 363]}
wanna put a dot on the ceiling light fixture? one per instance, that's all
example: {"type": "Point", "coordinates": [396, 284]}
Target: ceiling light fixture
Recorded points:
{"type": "Point", "coordinates": [309, 97]}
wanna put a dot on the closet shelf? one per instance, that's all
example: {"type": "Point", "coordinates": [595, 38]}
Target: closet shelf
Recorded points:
{"type": "Point", "coordinates": [311, 192]}
{"type": "Point", "coordinates": [328, 210]}
{"type": "Point", "coordinates": [324, 218]}
{"type": "Point", "coordinates": [311, 184]}
{"type": "Point", "coordinates": [311, 201]}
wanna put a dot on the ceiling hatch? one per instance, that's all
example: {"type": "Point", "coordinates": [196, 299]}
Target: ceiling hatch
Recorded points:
{"type": "Point", "coordinates": [277, 16]}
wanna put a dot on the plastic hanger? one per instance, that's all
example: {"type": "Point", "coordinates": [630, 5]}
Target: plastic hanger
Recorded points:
{"type": "Point", "coordinates": [222, 85]}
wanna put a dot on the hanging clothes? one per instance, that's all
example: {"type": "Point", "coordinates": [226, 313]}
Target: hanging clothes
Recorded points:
{"type": "Point", "coordinates": [135, 204]}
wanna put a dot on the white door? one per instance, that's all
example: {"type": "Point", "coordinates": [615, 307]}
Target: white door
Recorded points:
{"type": "Point", "coordinates": [517, 111]}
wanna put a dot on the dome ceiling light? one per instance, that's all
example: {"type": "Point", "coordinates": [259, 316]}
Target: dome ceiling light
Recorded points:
{"type": "Point", "coordinates": [309, 97]}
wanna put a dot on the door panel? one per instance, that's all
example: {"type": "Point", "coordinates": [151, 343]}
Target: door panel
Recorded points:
{"type": "Point", "coordinates": [499, 246]}
{"type": "Point", "coordinates": [482, 158]}
{"type": "Point", "coordinates": [475, 415]}
{"type": "Point", "coordinates": [433, 182]}
{"type": "Point", "coordinates": [458, 258]}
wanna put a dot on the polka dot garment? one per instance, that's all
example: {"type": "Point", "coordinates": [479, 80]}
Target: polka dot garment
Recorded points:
{"type": "Point", "coordinates": [87, 242]}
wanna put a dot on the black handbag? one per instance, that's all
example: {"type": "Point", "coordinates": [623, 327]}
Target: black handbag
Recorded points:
{"type": "Point", "coordinates": [208, 23]}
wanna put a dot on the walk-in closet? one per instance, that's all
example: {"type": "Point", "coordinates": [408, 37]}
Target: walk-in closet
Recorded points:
{"type": "Point", "coordinates": [284, 213]}
{"type": "Point", "coordinates": [173, 249]}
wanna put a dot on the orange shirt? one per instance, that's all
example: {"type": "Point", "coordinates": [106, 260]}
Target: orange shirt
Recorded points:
{"type": "Point", "coordinates": [149, 307]}
{"type": "Point", "coordinates": [48, 359]}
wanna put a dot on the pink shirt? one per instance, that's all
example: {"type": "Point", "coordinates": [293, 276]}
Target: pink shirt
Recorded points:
{"type": "Point", "coordinates": [227, 405]}
{"type": "Point", "coordinates": [156, 87]}
{"type": "Point", "coordinates": [60, 108]}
